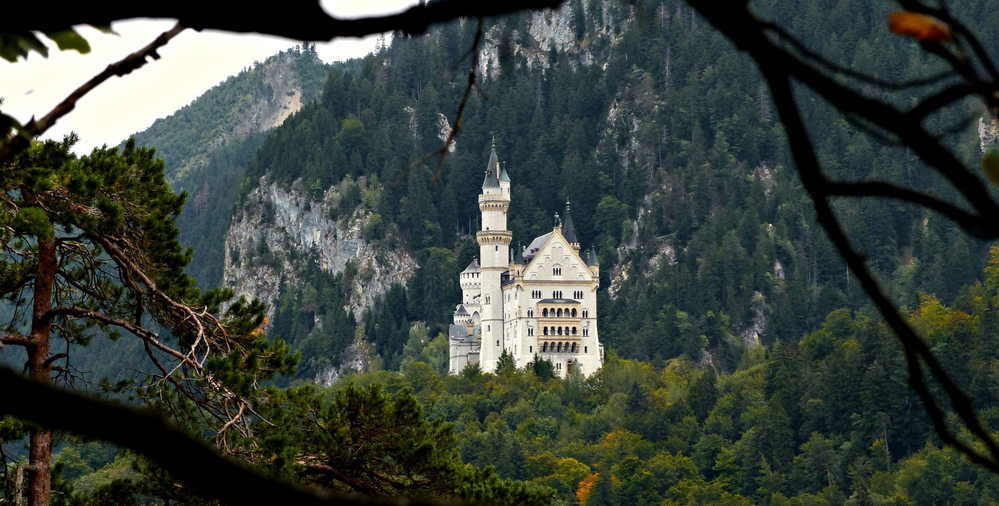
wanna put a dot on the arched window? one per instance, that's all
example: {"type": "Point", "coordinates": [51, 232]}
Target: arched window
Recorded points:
{"type": "Point", "coordinates": [574, 331]}
{"type": "Point", "coordinates": [546, 331]}
{"type": "Point", "coordinates": [560, 313]}
{"type": "Point", "coordinates": [559, 350]}
{"type": "Point", "coordinates": [544, 347]}
{"type": "Point", "coordinates": [544, 312]}
{"type": "Point", "coordinates": [574, 347]}
{"type": "Point", "coordinates": [573, 312]}
{"type": "Point", "coordinates": [560, 331]}
{"type": "Point", "coordinates": [530, 331]}
{"type": "Point", "coordinates": [530, 313]}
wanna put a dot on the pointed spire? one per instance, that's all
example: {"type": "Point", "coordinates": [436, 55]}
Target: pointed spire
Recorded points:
{"type": "Point", "coordinates": [492, 169]}
{"type": "Point", "coordinates": [591, 258]}
{"type": "Point", "coordinates": [569, 229]}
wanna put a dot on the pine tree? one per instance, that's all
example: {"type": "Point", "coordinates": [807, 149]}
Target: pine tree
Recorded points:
{"type": "Point", "coordinates": [90, 250]}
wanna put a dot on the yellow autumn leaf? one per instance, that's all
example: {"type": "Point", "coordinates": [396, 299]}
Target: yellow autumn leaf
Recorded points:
{"type": "Point", "coordinates": [919, 26]}
{"type": "Point", "coordinates": [990, 164]}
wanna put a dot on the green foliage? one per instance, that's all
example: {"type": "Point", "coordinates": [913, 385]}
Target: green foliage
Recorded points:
{"type": "Point", "coordinates": [366, 440]}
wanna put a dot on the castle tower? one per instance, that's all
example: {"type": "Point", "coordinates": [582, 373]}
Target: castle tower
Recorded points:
{"type": "Point", "coordinates": [494, 253]}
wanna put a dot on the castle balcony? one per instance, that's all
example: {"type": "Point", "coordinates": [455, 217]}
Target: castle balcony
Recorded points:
{"type": "Point", "coordinates": [558, 310]}
{"type": "Point", "coordinates": [499, 237]}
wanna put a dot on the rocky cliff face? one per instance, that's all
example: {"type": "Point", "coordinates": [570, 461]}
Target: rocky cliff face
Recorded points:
{"type": "Point", "coordinates": [578, 29]}
{"type": "Point", "coordinates": [277, 231]}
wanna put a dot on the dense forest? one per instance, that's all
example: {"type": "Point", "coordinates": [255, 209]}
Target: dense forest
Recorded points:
{"type": "Point", "coordinates": [744, 365]}
{"type": "Point", "coordinates": [664, 140]}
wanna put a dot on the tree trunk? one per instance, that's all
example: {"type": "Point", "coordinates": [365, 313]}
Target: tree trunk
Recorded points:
{"type": "Point", "coordinates": [39, 369]}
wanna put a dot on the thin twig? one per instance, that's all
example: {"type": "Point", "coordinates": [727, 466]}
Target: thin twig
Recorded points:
{"type": "Point", "coordinates": [34, 128]}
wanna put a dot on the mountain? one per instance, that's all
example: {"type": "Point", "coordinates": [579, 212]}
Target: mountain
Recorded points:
{"type": "Point", "coordinates": [207, 143]}
{"type": "Point", "coordinates": [661, 135]}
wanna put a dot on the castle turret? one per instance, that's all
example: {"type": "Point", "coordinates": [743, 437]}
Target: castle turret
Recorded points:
{"type": "Point", "coordinates": [569, 229]}
{"type": "Point", "coordinates": [494, 253]}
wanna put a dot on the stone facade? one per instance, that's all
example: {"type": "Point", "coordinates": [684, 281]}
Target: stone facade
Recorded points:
{"type": "Point", "coordinates": [541, 302]}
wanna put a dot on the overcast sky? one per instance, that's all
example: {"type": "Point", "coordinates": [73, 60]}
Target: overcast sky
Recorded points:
{"type": "Point", "coordinates": [191, 63]}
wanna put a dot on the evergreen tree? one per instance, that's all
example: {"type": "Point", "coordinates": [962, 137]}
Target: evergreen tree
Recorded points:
{"type": "Point", "coordinates": [90, 251]}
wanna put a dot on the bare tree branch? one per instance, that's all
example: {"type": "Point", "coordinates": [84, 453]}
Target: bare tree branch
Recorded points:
{"type": "Point", "coordinates": [189, 460]}
{"type": "Point", "coordinates": [296, 19]}
{"type": "Point", "coordinates": [124, 66]}
{"type": "Point", "coordinates": [779, 68]}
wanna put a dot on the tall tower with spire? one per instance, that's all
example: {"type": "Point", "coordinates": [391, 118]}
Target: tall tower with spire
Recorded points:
{"type": "Point", "coordinates": [540, 303]}
{"type": "Point", "coordinates": [494, 255]}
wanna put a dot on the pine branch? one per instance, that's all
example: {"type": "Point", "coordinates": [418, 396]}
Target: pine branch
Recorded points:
{"type": "Point", "coordinates": [189, 460]}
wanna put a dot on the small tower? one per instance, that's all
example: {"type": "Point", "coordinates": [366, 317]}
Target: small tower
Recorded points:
{"type": "Point", "coordinates": [569, 229]}
{"type": "Point", "coordinates": [494, 254]}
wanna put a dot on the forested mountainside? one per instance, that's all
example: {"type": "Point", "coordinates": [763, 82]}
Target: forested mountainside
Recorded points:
{"type": "Point", "coordinates": [744, 366]}
{"type": "Point", "coordinates": [657, 131]}
{"type": "Point", "coordinates": [207, 144]}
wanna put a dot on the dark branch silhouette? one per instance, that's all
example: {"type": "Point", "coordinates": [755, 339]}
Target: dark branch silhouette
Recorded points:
{"type": "Point", "coordinates": [780, 67]}
{"type": "Point", "coordinates": [189, 460]}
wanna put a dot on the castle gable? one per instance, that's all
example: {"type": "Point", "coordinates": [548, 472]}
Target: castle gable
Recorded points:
{"type": "Point", "coordinates": [557, 260]}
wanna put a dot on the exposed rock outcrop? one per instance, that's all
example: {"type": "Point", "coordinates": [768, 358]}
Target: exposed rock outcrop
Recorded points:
{"type": "Point", "coordinates": [278, 229]}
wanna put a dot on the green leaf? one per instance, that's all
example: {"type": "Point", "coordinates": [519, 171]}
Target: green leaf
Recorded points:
{"type": "Point", "coordinates": [69, 39]}
{"type": "Point", "coordinates": [15, 45]}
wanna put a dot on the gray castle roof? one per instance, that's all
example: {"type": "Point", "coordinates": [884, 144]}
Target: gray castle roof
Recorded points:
{"type": "Point", "coordinates": [472, 267]}
{"type": "Point", "coordinates": [493, 170]}
{"type": "Point", "coordinates": [532, 249]}
{"type": "Point", "coordinates": [568, 228]}
{"type": "Point", "coordinates": [559, 301]}
{"type": "Point", "coordinates": [591, 258]}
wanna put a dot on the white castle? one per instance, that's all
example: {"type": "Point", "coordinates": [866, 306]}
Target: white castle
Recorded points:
{"type": "Point", "coordinates": [541, 302]}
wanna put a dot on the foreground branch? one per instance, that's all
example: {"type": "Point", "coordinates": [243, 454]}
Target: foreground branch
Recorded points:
{"type": "Point", "coordinates": [296, 19]}
{"type": "Point", "coordinates": [187, 459]}
{"type": "Point", "coordinates": [36, 127]}
{"type": "Point", "coordinates": [779, 67]}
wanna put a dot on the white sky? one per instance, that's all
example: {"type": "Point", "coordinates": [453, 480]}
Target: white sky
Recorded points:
{"type": "Point", "coordinates": [191, 63]}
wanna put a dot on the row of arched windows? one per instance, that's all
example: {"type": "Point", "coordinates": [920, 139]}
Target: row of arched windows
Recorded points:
{"type": "Point", "coordinates": [559, 331]}
{"type": "Point", "coordinates": [558, 347]}
{"type": "Point", "coordinates": [558, 313]}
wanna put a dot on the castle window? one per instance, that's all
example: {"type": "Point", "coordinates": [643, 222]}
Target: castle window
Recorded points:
{"type": "Point", "coordinates": [573, 312]}
{"type": "Point", "coordinates": [497, 342]}
{"type": "Point", "coordinates": [560, 331]}
{"type": "Point", "coordinates": [530, 313]}
{"type": "Point", "coordinates": [530, 349]}
{"type": "Point", "coordinates": [530, 331]}
{"type": "Point", "coordinates": [556, 271]}
{"type": "Point", "coordinates": [544, 347]}
{"type": "Point", "coordinates": [488, 328]}
{"type": "Point", "coordinates": [586, 313]}
{"type": "Point", "coordinates": [585, 349]}
{"type": "Point", "coordinates": [559, 350]}
{"type": "Point", "coordinates": [560, 313]}
{"type": "Point", "coordinates": [544, 312]}
{"type": "Point", "coordinates": [574, 347]}
{"type": "Point", "coordinates": [586, 331]}
{"type": "Point", "coordinates": [546, 331]}
{"type": "Point", "coordinates": [574, 331]}
{"type": "Point", "coordinates": [487, 299]}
